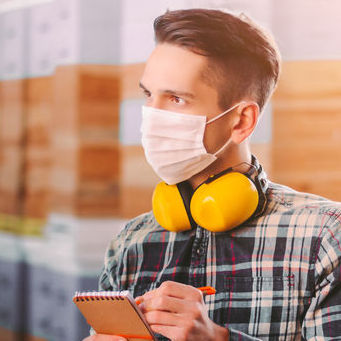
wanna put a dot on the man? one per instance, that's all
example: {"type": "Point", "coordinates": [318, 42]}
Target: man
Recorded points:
{"type": "Point", "coordinates": [276, 270]}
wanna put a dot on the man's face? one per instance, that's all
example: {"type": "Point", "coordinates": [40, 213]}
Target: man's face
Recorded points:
{"type": "Point", "coordinates": [173, 80]}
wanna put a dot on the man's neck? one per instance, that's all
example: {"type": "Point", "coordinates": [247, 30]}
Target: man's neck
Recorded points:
{"type": "Point", "coordinates": [228, 159]}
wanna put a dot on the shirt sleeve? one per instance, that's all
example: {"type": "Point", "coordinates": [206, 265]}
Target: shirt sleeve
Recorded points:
{"type": "Point", "coordinates": [323, 318]}
{"type": "Point", "coordinates": [109, 279]}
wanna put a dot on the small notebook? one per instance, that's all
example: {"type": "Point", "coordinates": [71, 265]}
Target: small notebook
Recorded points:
{"type": "Point", "coordinates": [113, 313]}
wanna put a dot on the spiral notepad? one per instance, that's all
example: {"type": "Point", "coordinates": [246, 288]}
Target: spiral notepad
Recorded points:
{"type": "Point", "coordinates": [113, 313]}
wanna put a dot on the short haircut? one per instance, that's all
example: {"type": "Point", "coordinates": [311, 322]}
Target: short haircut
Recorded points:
{"type": "Point", "coordinates": [243, 59]}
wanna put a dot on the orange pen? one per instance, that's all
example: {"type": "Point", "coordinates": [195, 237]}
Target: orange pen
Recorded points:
{"type": "Point", "coordinates": [207, 290]}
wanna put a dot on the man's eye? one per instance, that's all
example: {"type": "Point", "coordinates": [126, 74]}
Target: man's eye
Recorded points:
{"type": "Point", "coordinates": [178, 100]}
{"type": "Point", "coordinates": [146, 93]}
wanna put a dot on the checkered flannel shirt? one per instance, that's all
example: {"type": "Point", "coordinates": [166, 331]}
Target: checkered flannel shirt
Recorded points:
{"type": "Point", "coordinates": [277, 276]}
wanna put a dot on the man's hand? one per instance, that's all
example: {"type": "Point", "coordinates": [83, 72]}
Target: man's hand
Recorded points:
{"type": "Point", "coordinates": [178, 312]}
{"type": "Point", "coordinates": [102, 337]}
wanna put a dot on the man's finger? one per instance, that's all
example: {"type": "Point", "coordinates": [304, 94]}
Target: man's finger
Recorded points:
{"type": "Point", "coordinates": [167, 303]}
{"type": "Point", "coordinates": [174, 289]}
{"type": "Point", "coordinates": [162, 318]}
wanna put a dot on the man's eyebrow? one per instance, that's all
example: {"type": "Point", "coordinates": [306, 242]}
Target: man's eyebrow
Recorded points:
{"type": "Point", "coordinates": [143, 87]}
{"type": "Point", "coordinates": [179, 93]}
{"type": "Point", "coordinates": [171, 92]}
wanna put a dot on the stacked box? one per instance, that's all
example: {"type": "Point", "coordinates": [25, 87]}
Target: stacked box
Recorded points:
{"type": "Point", "coordinates": [51, 312]}
{"type": "Point", "coordinates": [12, 299]}
{"type": "Point", "coordinates": [37, 287]}
{"type": "Point", "coordinates": [308, 93]}
{"type": "Point", "coordinates": [37, 156]}
{"type": "Point", "coordinates": [11, 145]}
{"type": "Point", "coordinates": [69, 259]}
{"type": "Point", "coordinates": [68, 323]}
{"type": "Point", "coordinates": [85, 147]}
{"type": "Point", "coordinates": [136, 190]}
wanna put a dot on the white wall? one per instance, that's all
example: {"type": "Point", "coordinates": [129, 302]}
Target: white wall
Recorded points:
{"type": "Point", "coordinates": [307, 29]}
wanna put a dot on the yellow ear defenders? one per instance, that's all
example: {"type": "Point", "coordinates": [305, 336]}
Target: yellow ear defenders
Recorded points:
{"type": "Point", "coordinates": [222, 202]}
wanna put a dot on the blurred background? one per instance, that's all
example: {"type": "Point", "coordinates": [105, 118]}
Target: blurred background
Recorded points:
{"type": "Point", "coordinates": [72, 170]}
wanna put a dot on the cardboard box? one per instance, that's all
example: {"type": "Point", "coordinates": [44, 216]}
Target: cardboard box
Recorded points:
{"type": "Point", "coordinates": [12, 113]}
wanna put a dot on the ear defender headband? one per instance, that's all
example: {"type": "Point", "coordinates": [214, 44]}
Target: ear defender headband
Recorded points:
{"type": "Point", "coordinates": [221, 203]}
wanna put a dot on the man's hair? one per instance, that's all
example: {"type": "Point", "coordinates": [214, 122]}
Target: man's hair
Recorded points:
{"type": "Point", "coordinates": [243, 60]}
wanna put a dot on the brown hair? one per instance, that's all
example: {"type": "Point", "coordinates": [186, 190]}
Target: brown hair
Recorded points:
{"type": "Point", "coordinates": [243, 59]}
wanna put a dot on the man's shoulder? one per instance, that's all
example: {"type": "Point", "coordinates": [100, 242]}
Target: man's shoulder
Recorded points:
{"type": "Point", "coordinates": [144, 221]}
{"type": "Point", "coordinates": [286, 199]}
{"type": "Point", "coordinates": [139, 227]}
{"type": "Point", "coordinates": [135, 231]}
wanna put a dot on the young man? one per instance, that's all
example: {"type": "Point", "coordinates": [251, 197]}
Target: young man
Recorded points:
{"type": "Point", "coordinates": [274, 258]}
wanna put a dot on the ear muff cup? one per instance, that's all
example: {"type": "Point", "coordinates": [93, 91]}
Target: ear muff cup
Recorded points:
{"type": "Point", "coordinates": [224, 203]}
{"type": "Point", "coordinates": [219, 204]}
{"type": "Point", "coordinates": [169, 209]}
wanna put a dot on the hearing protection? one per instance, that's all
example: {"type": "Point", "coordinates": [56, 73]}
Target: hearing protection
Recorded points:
{"type": "Point", "coordinates": [221, 203]}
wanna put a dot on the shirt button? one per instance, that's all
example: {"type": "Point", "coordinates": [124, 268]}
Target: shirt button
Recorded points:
{"type": "Point", "coordinates": [200, 251]}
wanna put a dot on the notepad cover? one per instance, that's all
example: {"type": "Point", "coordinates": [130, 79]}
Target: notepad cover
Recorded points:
{"type": "Point", "coordinates": [115, 314]}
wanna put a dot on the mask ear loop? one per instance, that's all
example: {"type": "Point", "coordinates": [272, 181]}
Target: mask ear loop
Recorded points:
{"type": "Point", "coordinates": [224, 113]}
{"type": "Point", "coordinates": [219, 116]}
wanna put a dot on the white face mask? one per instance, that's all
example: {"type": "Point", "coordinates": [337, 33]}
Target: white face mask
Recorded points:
{"type": "Point", "coordinates": [174, 143]}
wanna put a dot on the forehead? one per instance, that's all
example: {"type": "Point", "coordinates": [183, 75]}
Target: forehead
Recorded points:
{"type": "Point", "coordinates": [171, 66]}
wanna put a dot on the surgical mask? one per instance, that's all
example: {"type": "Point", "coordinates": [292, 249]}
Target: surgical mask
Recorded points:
{"type": "Point", "coordinates": [174, 143]}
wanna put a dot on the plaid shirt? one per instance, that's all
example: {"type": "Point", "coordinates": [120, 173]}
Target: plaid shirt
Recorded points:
{"type": "Point", "coordinates": [277, 276]}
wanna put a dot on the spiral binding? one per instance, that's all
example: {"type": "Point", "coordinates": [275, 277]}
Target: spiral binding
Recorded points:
{"type": "Point", "coordinates": [99, 296]}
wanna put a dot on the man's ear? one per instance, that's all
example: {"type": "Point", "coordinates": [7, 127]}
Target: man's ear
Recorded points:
{"type": "Point", "coordinates": [246, 121]}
